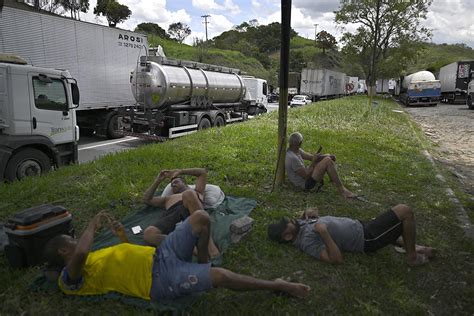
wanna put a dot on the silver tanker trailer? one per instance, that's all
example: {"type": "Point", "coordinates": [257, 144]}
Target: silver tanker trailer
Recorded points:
{"type": "Point", "coordinates": [176, 97]}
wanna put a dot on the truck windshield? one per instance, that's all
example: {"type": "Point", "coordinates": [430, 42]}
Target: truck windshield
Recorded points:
{"type": "Point", "coordinates": [50, 96]}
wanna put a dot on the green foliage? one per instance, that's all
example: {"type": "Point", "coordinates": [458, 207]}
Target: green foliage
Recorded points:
{"type": "Point", "coordinates": [385, 26]}
{"type": "Point", "coordinates": [378, 154]}
{"type": "Point", "coordinates": [432, 56]}
{"type": "Point", "coordinates": [152, 29]}
{"type": "Point", "coordinates": [113, 11]}
{"type": "Point", "coordinates": [179, 31]}
{"type": "Point", "coordinates": [72, 5]}
{"type": "Point", "coordinates": [325, 41]}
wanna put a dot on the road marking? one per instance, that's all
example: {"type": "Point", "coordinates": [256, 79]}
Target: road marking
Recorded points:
{"type": "Point", "coordinates": [110, 143]}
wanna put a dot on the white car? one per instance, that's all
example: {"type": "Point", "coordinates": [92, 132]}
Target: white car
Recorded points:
{"type": "Point", "coordinates": [299, 100]}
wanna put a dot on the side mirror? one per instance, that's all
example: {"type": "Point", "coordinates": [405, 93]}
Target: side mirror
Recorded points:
{"type": "Point", "coordinates": [75, 94]}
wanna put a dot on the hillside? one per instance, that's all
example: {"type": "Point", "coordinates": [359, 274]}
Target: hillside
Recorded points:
{"type": "Point", "coordinates": [435, 56]}
{"type": "Point", "coordinates": [304, 53]}
{"type": "Point", "coordinates": [228, 58]}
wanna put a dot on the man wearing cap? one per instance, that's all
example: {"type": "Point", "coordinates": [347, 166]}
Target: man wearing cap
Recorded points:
{"type": "Point", "coordinates": [325, 238]}
{"type": "Point", "coordinates": [308, 177]}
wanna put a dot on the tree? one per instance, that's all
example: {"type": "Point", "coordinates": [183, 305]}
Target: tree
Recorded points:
{"type": "Point", "coordinates": [384, 25]}
{"type": "Point", "coordinates": [113, 11]}
{"type": "Point", "coordinates": [152, 28]}
{"type": "Point", "coordinates": [325, 41]}
{"type": "Point", "coordinates": [179, 31]}
{"type": "Point", "coordinates": [73, 6]}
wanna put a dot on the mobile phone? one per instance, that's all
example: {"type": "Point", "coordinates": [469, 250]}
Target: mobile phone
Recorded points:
{"type": "Point", "coordinates": [136, 230]}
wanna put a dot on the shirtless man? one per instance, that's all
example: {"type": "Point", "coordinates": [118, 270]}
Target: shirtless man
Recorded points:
{"type": "Point", "coordinates": [183, 202]}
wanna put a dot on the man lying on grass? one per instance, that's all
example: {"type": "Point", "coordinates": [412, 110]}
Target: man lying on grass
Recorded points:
{"type": "Point", "coordinates": [325, 237]}
{"type": "Point", "coordinates": [183, 202]}
{"type": "Point", "coordinates": [146, 272]}
{"type": "Point", "coordinates": [308, 177]}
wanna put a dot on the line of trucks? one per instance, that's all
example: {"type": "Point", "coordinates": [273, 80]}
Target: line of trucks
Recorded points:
{"type": "Point", "coordinates": [74, 76]}
{"type": "Point", "coordinates": [455, 85]}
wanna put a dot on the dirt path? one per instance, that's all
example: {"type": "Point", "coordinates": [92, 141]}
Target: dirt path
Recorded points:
{"type": "Point", "coordinates": [451, 127]}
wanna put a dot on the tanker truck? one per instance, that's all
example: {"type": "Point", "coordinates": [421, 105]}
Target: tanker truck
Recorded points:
{"type": "Point", "coordinates": [177, 97]}
{"type": "Point", "coordinates": [420, 88]}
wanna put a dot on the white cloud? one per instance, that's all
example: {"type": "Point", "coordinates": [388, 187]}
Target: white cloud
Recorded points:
{"type": "Point", "coordinates": [211, 6]}
{"type": "Point", "coordinates": [218, 24]}
{"type": "Point", "coordinates": [256, 4]}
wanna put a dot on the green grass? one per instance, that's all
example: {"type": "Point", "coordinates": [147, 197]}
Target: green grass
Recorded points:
{"type": "Point", "coordinates": [378, 154]}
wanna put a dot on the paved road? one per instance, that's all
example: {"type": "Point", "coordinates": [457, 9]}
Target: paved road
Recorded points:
{"type": "Point", "coordinates": [451, 127]}
{"type": "Point", "coordinates": [91, 148]}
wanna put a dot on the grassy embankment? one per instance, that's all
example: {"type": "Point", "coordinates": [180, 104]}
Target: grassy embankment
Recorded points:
{"type": "Point", "coordinates": [378, 155]}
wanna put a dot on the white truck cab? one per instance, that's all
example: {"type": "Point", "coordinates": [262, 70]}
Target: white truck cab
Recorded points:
{"type": "Point", "coordinates": [37, 119]}
{"type": "Point", "coordinates": [256, 93]}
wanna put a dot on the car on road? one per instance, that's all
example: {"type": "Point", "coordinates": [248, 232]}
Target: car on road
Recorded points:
{"type": "Point", "coordinates": [300, 100]}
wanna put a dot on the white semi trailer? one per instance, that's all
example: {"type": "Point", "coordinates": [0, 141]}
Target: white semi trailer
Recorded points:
{"type": "Point", "coordinates": [37, 119]}
{"type": "Point", "coordinates": [99, 57]}
{"type": "Point", "coordinates": [455, 79]}
{"type": "Point", "coordinates": [322, 83]}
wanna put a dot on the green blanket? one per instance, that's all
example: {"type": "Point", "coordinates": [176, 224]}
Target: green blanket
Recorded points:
{"type": "Point", "coordinates": [232, 208]}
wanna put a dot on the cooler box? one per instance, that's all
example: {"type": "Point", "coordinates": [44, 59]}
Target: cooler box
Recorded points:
{"type": "Point", "coordinates": [30, 230]}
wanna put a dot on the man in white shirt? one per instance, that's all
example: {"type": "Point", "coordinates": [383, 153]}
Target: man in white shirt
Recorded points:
{"type": "Point", "coordinates": [308, 177]}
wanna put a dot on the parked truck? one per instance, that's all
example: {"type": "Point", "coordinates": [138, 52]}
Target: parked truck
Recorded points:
{"type": "Point", "coordinates": [454, 80]}
{"type": "Point", "coordinates": [352, 84]}
{"type": "Point", "coordinates": [420, 88]}
{"type": "Point", "coordinates": [322, 83]}
{"type": "Point", "coordinates": [176, 97]}
{"type": "Point", "coordinates": [37, 118]}
{"type": "Point", "coordinates": [99, 57]}
{"type": "Point", "coordinates": [470, 91]}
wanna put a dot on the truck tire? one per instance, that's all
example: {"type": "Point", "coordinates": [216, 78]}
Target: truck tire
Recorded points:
{"type": "Point", "coordinates": [112, 126]}
{"type": "Point", "coordinates": [27, 162]}
{"type": "Point", "coordinates": [204, 123]}
{"type": "Point", "coordinates": [219, 121]}
{"type": "Point", "coordinates": [469, 102]}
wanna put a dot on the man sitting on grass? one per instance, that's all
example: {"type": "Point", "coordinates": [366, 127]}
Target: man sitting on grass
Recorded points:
{"type": "Point", "coordinates": [326, 237]}
{"type": "Point", "coordinates": [308, 177]}
{"type": "Point", "coordinates": [183, 202]}
{"type": "Point", "coordinates": [147, 272]}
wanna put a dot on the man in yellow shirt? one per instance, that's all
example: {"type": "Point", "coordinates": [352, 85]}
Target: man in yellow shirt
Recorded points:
{"type": "Point", "coordinates": [150, 273]}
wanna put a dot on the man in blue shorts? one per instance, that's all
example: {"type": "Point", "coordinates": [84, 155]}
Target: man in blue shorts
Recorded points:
{"type": "Point", "coordinates": [326, 237]}
{"type": "Point", "coordinates": [178, 206]}
{"type": "Point", "coordinates": [156, 274]}
{"type": "Point", "coordinates": [311, 176]}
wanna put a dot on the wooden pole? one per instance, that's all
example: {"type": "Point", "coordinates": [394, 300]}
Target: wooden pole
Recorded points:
{"type": "Point", "coordinates": [283, 106]}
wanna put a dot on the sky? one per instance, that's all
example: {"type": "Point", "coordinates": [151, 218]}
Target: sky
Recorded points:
{"type": "Point", "coordinates": [452, 21]}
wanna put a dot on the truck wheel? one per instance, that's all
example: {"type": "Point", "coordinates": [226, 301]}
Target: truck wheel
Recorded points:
{"type": "Point", "coordinates": [204, 123]}
{"type": "Point", "coordinates": [27, 162]}
{"type": "Point", "coordinates": [469, 102]}
{"type": "Point", "coordinates": [219, 122]}
{"type": "Point", "coordinates": [113, 126]}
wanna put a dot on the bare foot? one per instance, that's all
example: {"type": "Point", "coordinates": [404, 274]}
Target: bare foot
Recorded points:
{"type": "Point", "coordinates": [295, 289]}
{"type": "Point", "coordinates": [417, 261]}
{"type": "Point", "coordinates": [430, 252]}
{"type": "Point", "coordinates": [348, 194]}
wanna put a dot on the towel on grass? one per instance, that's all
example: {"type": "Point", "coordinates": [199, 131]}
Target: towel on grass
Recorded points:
{"type": "Point", "coordinates": [221, 217]}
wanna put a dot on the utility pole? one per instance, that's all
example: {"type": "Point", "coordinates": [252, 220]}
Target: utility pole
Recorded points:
{"type": "Point", "coordinates": [315, 32]}
{"type": "Point", "coordinates": [205, 22]}
{"type": "Point", "coordinates": [283, 106]}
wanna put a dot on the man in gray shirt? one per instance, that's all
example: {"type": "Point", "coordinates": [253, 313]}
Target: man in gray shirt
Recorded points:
{"type": "Point", "coordinates": [326, 237]}
{"type": "Point", "coordinates": [307, 177]}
